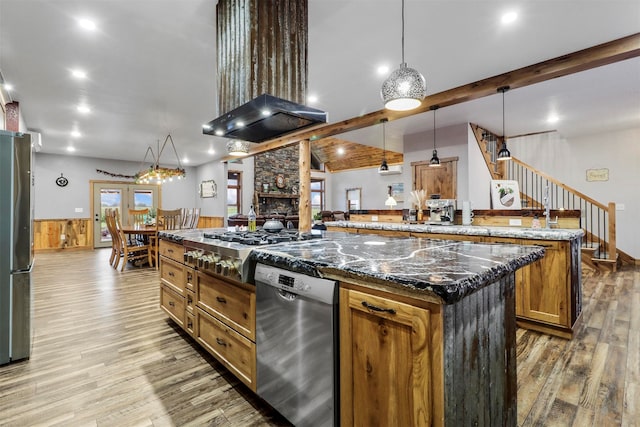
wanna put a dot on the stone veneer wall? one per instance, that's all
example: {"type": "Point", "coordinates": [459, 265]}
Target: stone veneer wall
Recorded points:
{"type": "Point", "coordinates": [269, 165]}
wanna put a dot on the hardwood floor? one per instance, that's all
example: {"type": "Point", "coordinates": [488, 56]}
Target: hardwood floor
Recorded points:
{"type": "Point", "coordinates": [104, 354]}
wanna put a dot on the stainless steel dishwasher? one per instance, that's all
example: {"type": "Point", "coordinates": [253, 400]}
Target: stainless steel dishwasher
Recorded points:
{"type": "Point", "coordinates": [297, 345]}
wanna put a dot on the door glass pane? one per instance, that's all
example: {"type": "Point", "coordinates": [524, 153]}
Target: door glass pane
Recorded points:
{"type": "Point", "coordinates": [232, 201]}
{"type": "Point", "coordinates": [109, 198]}
{"type": "Point", "coordinates": [143, 199]}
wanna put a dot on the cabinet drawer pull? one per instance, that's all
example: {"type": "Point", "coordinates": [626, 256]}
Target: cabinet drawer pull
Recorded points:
{"type": "Point", "coordinates": [376, 308]}
{"type": "Point", "coordinates": [221, 300]}
{"type": "Point", "coordinates": [170, 251]}
{"type": "Point", "coordinates": [221, 342]}
{"type": "Point", "coordinates": [189, 324]}
{"type": "Point", "coordinates": [171, 274]}
{"type": "Point", "coordinates": [189, 277]}
{"type": "Point", "coordinates": [172, 304]}
{"type": "Point", "coordinates": [544, 246]}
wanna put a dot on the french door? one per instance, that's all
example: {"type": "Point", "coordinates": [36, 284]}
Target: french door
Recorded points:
{"type": "Point", "coordinates": [124, 197]}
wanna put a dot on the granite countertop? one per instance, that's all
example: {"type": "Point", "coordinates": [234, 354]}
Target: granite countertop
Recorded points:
{"type": "Point", "coordinates": [468, 230]}
{"type": "Point", "coordinates": [446, 270]}
{"type": "Point", "coordinates": [192, 234]}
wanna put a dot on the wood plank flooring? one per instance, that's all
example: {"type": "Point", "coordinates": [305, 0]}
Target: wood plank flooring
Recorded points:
{"type": "Point", "coordinates": [104, 354]}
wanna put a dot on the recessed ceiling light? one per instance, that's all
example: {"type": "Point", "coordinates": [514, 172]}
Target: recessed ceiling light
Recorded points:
{"type": "Point", "coordinates": [70, 149]}
{"type": "Point", "coordinates": [87, 24]}
{"type": "Point", "coordinates": [76, 134]}
{"type": "Point", "coordinates": [211, 151]}
{"type": "Point", "coordinates": [509, 17]}
{"type": "Point", "coordinates": [383, 70]}
{"type": "Point", "coordinates": [340, 150]}
{"type": "Point", "coordinates": [312, 99]}
{"type": "Point", "coordinates": [7, 86]}
{"type": "Point", "coordinates": [79, 74]}
{"type": "Point", "coordinates": [84, 109]}
{"type": "Point", "coordinates": [185, 159]}
{"type": "Point", "coordinates": [553, 118]}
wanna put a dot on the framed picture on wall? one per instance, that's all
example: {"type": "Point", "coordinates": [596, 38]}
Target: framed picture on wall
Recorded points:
{"type": "Point", "coordinates": [208, 189]}
{"type": "Point", "coordinates": [397, 191]}
{"type": "Point", "coordinates": [505, 194]}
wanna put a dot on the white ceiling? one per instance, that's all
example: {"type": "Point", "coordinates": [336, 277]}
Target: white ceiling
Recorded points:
{"type": "Point", "coordinates": [151, 67]}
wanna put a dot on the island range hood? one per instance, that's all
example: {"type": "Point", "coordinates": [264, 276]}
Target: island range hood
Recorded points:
{"type": "Point", "coordinates": [264, 118]}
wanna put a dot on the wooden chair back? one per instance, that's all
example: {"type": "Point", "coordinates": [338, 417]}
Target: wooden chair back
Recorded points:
{"type": "Point", "coordinates": [170, 219]}
{"type": "Point", "coordinates": [110, 216]}
{"type": "Point", "coordinates": [138, 216]}
{"type": "Point", "coordinates": [190, 217]}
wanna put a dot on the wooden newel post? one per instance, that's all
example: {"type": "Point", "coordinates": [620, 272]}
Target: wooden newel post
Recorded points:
{"type": "Point", "coordinates": [304, 207]}
{"type": "Point", "coordinates": [612, 250]}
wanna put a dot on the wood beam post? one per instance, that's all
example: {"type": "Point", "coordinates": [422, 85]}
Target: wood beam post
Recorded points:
{"type": "Point", "coordinates": [304, 206]}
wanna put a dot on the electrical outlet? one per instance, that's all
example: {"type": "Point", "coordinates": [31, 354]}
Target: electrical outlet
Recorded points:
{"type": "Point", "coordinates": [515, 221]}
{"type": "Point", "coordinates": [374, 218]}
{"type": "Point", "coordinates": [79, 210]}
{"type": "Point", "coordinates": [62, 237]}
{"type": "Point", "coordinates": [619, 206]}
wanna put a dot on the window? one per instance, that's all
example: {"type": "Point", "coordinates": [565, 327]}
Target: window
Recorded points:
{"type": "Point", "coordinates": [317, 196]}
{"type": "Point", "coordinates": [234, 192]}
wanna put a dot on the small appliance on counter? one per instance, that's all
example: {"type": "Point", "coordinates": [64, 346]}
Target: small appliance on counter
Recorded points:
{"type": "Point", "coordinates": [441, 211]}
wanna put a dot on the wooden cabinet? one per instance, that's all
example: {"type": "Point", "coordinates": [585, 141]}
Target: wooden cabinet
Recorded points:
{"type": "Point", "coordinates": [226, 324]}
{"type": "Point", "coordinates": [220, 315]}
{"type": "Point", "coordinates": [548, 294]}
{"type": "Point", "coordinates": [236, 352]}
{"type": "Point", "coordinates": [387, 363]}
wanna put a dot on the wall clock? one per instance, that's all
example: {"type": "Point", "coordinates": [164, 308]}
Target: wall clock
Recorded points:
{"type": "Point", "coordinates": [280, 181]}
{"type": "Point", "coordinates": [61, 181]}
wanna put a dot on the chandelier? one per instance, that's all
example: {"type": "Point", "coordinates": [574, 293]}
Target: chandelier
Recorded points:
{"type": "Point", "coordinates": [156, 173]}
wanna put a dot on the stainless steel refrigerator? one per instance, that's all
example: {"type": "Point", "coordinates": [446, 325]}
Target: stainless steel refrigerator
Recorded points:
{"type": "Point", "coordinates": [16, 246]}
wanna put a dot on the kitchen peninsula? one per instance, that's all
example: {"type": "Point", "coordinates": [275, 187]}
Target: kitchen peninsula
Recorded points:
{"type": "Point", "coordinates": [427, 327]}
{"type": "Point", "coordinates": [548, 292]}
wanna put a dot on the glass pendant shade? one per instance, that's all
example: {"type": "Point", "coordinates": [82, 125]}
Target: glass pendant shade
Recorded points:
{"type": "Point", "coordinates": [237, 148]}
{"type": "Point", "coordinates": [404, 89]}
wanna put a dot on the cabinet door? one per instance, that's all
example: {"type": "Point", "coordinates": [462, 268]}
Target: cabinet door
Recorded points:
{"type": "Point", "coordinates": [543, 289]}
{"type": "Point", "coordinates": [384, 361]}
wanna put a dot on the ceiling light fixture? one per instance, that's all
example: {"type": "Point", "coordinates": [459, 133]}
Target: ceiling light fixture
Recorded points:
{"type": "Point", "coordinates": [84, 109]}
{"type": "Point", "coordinates": [237, 148]}
{"type": "Point", "coordinates": [155, 172]}
{"type": "Point", "coordinates": [405, 88]}
{"type": "Point", "coordinates": [87, 24]}
{"type": "Point", "coordinates": [504, 153]}
{"type": "Point", "coordinates": [435, 161]}
{"type": "Point", "coordinates": [79, 74]}
{"type": "Point", "coordinates": [384, 166]}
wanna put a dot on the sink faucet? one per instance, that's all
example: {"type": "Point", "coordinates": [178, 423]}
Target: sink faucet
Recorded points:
{"type": "Point", "coordinates": [547, 210]}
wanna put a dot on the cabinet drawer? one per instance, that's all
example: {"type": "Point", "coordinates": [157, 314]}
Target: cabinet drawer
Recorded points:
{"type": "Point", "coordinates": [172, 273]}
{"type": "Point", "coordinates": [172, 250]}
{"type": "Point", "coordinates": [190, 323]}
{"type": "Point", "coordinates": [235, 352]}
{"type": "Point", "coordinates": [190, 278]}
{"type": "Point", "coordinates": [229, 303]}
{"type": "Point", "coordinates": [547, 244]}
{"type": "Point", "coordinates": [173, 304]}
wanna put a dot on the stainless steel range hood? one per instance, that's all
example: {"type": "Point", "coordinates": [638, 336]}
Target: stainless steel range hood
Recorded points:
{"type": "Point", "coordinates": [264, 118]}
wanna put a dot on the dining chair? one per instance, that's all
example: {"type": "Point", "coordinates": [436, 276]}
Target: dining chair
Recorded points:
{"type": "Point", "coordinates": [116, 252]}
{"type": "Point", "coordinates": [195, 217]}
{"type": "Point", "coordinates": [138, 217]}
{"type": "Point", "coordinates": [131, 250]}
{"type": "Point", "coordinates": [165, 220]}
{"type": "Point", "coordinates": [190, 217]}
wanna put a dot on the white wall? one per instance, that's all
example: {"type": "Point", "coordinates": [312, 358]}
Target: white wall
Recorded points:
{"type": "Point", "coordinates": [567, 160]}
{"type": "Point", "coordinates": [53, 202]}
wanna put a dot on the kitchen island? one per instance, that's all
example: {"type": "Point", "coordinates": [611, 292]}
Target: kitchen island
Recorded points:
{"type": "Point", "coordinates": [427, 327]}
{"type": "Point", "coordinates": [548, 292]}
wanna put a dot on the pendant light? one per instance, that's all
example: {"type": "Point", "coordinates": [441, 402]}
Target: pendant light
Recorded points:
{"type": "Point", "coordinates": [384, 166]}
{"type": "Point", "coordinates": [504, 153]}
{"type": "Point", "coordinates": [435, 161]}
{"type": "Point", "coordinates": [405, 88]}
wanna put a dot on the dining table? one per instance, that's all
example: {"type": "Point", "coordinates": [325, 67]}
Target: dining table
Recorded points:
{"type": "Point", "coordinates": [144, 231]}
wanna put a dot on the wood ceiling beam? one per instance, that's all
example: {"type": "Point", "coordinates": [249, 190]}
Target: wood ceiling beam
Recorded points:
{"type": "Point", "coordinates": [582, 60]}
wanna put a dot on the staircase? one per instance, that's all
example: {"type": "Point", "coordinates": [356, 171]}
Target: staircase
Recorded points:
{"type": "Point", "coordinates": [596, 219]}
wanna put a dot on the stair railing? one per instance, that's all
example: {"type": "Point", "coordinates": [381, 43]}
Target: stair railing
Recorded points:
{"type": "Point", "coordinates": [596, 219]}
